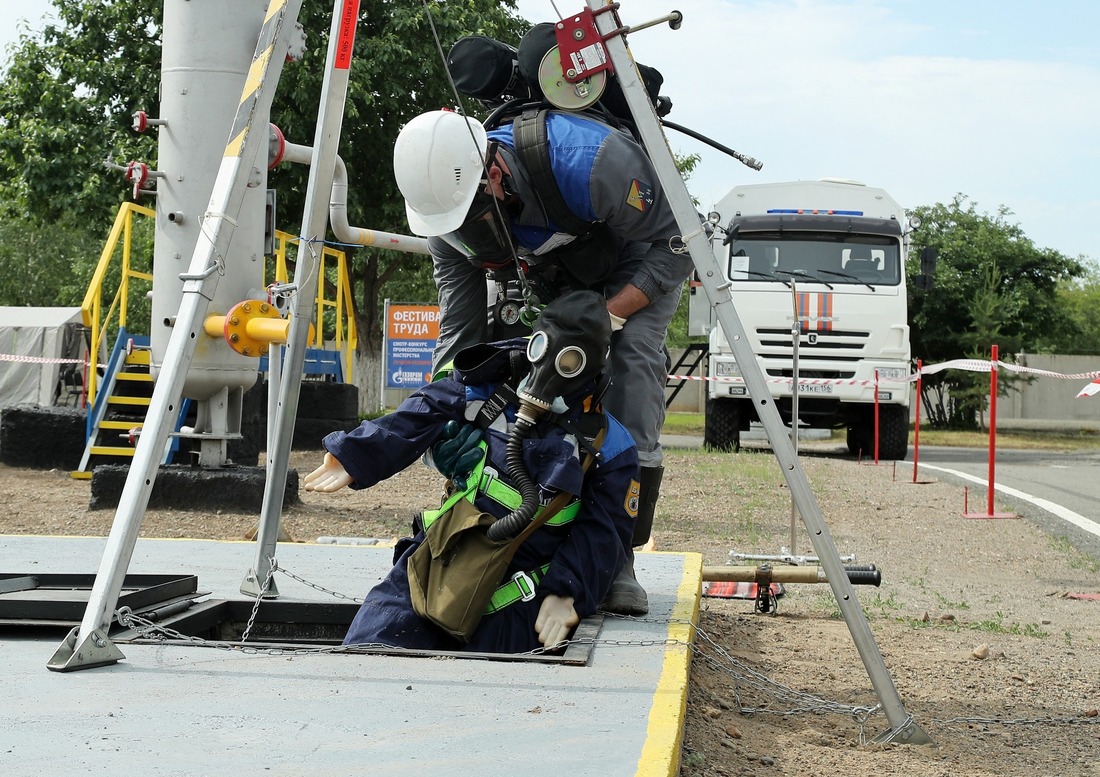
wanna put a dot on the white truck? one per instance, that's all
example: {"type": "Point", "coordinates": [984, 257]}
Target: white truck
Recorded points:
{"type": "Point", "coordinates": [830, 255]}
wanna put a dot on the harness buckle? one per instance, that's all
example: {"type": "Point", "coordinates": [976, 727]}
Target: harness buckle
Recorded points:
{"type": "Point", "coordinates": [525, 585]}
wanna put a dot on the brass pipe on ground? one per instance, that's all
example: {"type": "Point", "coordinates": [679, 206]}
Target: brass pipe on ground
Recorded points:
{"type": "Point", "coordinates": [787, 574]}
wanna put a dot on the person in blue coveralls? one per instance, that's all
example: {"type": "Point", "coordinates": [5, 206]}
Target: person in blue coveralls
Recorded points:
{"type": "Point", "coordinates": [538, 395]}
{"type": "Point", "coordinates": [486, 205]}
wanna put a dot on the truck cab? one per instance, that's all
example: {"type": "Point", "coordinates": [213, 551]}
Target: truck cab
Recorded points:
{"type": "Point", "coordinates": [820, 263]}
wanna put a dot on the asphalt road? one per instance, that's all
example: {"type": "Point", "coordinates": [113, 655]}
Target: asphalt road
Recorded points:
{"type": "Point", "coordinates": [1058, 490]}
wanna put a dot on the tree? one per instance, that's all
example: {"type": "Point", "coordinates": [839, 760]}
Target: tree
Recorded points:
{"type": "Point", "coordinates": [66, 99]}
{"type": "Point", "coordinates": [68, 94]}
{"type": "Point", "coordinates": [1080, 298]}
{"type": "Point", "coordinates": [43, 267]}
{"type": "Point", "coordinates": [992, 286]}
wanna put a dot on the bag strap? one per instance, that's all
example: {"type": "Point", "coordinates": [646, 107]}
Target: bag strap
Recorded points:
{"type": "Point", "coordinates": [533, 147]}
{"type": "Point", "coordinates": [428, 517]}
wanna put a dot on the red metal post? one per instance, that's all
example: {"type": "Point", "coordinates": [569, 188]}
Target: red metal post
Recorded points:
{"type": "Point", "coordinates": [993, 355]}
{"type": "Point", "coordinates": [994, 360]}
{"type": "Point", "coordinates": [876, 418]}
{"type": "Point", "coordinates": [916, 425]}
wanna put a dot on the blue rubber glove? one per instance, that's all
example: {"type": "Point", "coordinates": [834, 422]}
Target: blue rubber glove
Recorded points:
{"type": "Point", "coordinates": [458, 451]}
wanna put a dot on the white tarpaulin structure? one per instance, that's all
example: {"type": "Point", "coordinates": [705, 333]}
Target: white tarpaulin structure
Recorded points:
{"type": "Point", "coordinates": [34, 346]}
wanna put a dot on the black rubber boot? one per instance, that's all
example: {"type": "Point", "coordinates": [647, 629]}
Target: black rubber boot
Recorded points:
{"type": "Point", "coordinates": [627, 597]}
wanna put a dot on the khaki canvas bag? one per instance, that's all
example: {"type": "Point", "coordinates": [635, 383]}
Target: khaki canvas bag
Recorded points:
{"type": "Point", "coordinates": [454, 572]}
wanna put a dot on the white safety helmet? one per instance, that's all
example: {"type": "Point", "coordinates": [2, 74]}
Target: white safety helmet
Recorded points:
{"type": "Point", "coordinates": [438, 164]}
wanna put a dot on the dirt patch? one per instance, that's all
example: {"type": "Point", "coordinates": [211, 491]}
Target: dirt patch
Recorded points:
{"type": "Point", "coordinates": [989, 654]}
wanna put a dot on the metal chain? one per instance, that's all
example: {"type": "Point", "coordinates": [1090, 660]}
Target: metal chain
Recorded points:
{"type": "Point", "coordinates": [321, 588]}
{"type": "Point", "coordinates": [793, 702]}
{"type": "Point", "coordinates": [131, 619]}
{"type": "Point", "coordinates": [259, 598]}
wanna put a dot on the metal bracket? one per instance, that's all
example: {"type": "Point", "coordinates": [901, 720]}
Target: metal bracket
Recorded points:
{"type": "Point", "coordinates": [765, 602]}
{"type": "Point", "coordinates": [95, 650]}
{"type": "Point", "coordinates": [580, 45]}
{"type": "Point", "coordinates": [253, 586]}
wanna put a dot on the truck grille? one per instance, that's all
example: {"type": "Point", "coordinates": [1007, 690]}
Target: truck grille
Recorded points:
{"type": "Point", "coordinates": [822, 359]}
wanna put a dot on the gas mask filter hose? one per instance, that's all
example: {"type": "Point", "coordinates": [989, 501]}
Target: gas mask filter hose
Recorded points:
{"type": "Point", "coordinates": [516, 521]}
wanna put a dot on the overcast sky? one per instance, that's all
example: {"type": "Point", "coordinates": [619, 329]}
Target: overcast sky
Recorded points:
{"type": "Point", "coordinates": [998, 100]}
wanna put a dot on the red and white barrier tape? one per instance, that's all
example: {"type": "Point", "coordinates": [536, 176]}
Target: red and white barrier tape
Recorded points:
{"type": "Point", "coordinates": [15, 357]}
{"type": "Point", "coordinates": [980, 365]}
{"type": "Point", "coordinates": [972, 365]}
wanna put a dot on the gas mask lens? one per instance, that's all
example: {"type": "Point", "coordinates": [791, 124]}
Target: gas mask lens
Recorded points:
{"type": "Point", "coordinates": [570, 361]}
{"type": "Point", "coordinates": [536, 347]}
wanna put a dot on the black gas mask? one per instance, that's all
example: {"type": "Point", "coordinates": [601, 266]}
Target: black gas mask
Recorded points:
{"type": "Point", "coordinates": [568, 348]}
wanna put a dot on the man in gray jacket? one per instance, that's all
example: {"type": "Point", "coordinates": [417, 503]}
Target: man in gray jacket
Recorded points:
{"type": "Point", "coordinates": [474, 195]}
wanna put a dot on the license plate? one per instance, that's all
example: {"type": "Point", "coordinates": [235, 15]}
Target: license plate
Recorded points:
{"type": "Point", "coordinates": [816, 388]}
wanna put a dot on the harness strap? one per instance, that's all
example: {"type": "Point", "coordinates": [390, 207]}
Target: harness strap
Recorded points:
{"type": "Point", "coordinates": [499, 492]}
{"type": "Point", "coordinates": [503, 494]}
{"type": "Point", "coordinates": [492, 407]}
{"type": "Point", "coordinates": [532, 144]}
{"type": "Point", "coordinates": [428, 517]}
{"type": "Point", "coordinates": [520, 588]}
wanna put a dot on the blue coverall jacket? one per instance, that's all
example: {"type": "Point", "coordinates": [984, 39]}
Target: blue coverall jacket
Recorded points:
{"type": "Point", "coordinates": [585, 555]}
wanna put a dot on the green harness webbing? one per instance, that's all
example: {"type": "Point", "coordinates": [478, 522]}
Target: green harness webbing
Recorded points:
{"type": "Point", "coordinates": [521, 586]}
{"type": "Point", "coordinates": [499, 492]}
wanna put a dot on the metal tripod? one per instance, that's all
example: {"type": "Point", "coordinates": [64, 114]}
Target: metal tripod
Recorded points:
{"type": "Point", "coordinates": [696, 241]}
{"type": "Point", "coordinates": [88, 644]}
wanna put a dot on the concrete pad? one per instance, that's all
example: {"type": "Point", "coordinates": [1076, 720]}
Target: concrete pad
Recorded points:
{"type": "Point", "coordinates": [188, 710]}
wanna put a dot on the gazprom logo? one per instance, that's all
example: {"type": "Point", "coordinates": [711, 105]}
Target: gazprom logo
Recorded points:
{"type": "Point", "coordinates": [403, 377]}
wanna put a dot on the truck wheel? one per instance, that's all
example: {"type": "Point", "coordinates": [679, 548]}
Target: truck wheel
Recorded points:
{"type": "Point", "coordinates": [893, 432]}
{"type": "Point", "coordinates": [860, 439]}
{"type": "Point", "coordinates": [721, 431]}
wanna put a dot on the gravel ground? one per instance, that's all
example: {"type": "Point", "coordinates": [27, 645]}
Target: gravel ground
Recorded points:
{"type": "Point", "coordinates": [978, 622]}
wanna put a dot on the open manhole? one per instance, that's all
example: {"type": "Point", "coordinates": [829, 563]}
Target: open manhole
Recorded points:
{"type": "Point", "coordinates": [289, 626]}
{"type": "Point", "coordinates": [33, 602]}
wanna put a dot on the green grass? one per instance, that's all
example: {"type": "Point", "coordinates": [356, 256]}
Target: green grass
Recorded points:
{"type": "Point", "coordinates": [1034, 440]}
{"type": "Point", "coordinates": [997, 625]}
{"type": "Point", "coordinates": [1077, 559]}
{"type": "Point", "coordinates": [684, 423]}
{"type": "Point", "coordinates": [947, 604]}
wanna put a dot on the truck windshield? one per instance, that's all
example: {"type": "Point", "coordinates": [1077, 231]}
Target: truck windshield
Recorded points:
{"type": "Point", "coordinates": [767, 257]}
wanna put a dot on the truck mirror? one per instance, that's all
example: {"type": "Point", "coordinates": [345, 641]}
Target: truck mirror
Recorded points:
{"type": "Point", "coordinates": [929, 256]}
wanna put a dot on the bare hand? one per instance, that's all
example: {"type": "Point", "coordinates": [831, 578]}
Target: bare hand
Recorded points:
{"type": "Point", "coordinates": [328, 477]}
{"type": "Point", "coordinates": [556, 619]}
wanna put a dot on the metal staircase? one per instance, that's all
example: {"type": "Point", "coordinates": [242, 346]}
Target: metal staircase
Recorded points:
{"type": "Point", "coordinates": [118, 413]}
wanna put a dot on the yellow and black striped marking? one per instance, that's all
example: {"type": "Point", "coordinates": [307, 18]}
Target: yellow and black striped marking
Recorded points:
{"type": "Point", "coordinates": [257, 74]}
